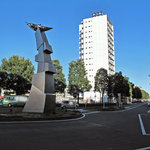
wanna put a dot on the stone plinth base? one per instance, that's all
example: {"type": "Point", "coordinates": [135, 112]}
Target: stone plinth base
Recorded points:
{"type": "Point", "coordinates": [41, 99]}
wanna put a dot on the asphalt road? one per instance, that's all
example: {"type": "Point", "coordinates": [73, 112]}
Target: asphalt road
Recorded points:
{"type": "Point", "coordinates": [100, 131]}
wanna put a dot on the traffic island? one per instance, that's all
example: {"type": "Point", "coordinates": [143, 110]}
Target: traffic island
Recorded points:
{"type": "Point", "coordinates": [21, 116]}
{"type": "Point", "coordinates": [100, 107]}
{"type": "Point", "coordinates": [107, 108]}
{"type": "Point", "coordinates": [112, 108]}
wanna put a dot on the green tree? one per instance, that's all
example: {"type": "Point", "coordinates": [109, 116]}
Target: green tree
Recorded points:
{"type": "Point", "coordinates": [131, 89]}
{"type": "Point", "coordinates": [18, 65]}
{"type": "Point", "coordinates": [145, 95]}
{"type": "Point", "coordinates": [126, 90]}
{"type": "Point", "coordinates": [16, 73]}
{"type": "Point", "coordinates": [3, 79]}
{"type": "Point", "coordinates": [78, 82]}
{"type": "Point", "coordinates": [15, 82]}
{"type": "Point", "coordinates": [110, 86]}
{"type": "Point", "coordinates": [137, 92]}
{"type": "Point", "coordinates": [101, 81]}
{"type": "Point", "coordinates": [60, 81]}
{"type": "Point", "coordinates": [119, 84]}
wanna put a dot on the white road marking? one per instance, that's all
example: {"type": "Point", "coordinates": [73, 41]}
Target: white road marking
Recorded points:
{"type": "Point", "coordinates": [93, 112]}
{"type": "Point", "coordinates": [148, 111]}
{"type": "Point", "coordinates": [142, 126]}
{"type": "Point", "coordinates": [145, 148]}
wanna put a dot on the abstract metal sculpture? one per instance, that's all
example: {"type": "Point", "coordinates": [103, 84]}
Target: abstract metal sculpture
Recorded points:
{"type": "Point", "coordinates": [42, 96]}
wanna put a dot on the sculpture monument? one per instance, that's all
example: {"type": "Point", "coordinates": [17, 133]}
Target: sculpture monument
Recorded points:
{"type": "Point", "coordinates": [42, 96]}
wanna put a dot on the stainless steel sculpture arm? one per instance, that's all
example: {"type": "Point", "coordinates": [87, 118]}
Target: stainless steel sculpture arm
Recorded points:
{"type": "Point", "coordinates": [35, 26]}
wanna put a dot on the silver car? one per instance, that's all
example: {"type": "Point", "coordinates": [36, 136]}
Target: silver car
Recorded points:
{"type": "Point", "coordinates": [69, 104]}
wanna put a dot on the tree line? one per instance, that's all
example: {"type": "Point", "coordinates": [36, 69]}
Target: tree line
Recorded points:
{"type": "Point", "coordinates": [117, 83]}
{"type": "Point", "coordinates": [16, 73]}
{"type": "Point", "coordinates": [113, 84]}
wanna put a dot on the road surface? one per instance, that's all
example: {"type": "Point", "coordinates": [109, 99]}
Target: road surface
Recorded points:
{"type": "Point", "coordinates": [117, 130]}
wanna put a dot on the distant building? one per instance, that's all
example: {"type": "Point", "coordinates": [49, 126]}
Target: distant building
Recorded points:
{"type": "Point", "coordinates": [96, 47]}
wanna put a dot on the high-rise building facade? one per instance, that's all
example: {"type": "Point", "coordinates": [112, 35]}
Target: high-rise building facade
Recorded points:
{"type": "Point", "coordinates": [96, 45]}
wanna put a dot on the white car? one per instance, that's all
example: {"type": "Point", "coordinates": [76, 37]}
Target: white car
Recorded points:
{"type": "Point", "coordinates": [69, 104]}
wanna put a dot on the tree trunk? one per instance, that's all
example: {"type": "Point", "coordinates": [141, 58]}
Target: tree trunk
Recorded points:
{"type": "Point", "coordinates": [78, 98]}
{"type": "Point", "coordinates": [102, 96]}
{"type": "Point", "coordinates": [103, 99]}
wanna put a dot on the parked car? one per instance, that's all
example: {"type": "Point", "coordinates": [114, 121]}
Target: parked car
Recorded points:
{"type": "Point", "coordinates": [90, 101]}
{"type": "Point", "coordinates": [14, 100]}
{"type": "Point", "coordinates": [148, 103]}
{"type": "Point", "coordinates": [69, 104]}
{"type": "Point", "coordinates": [1, 101]}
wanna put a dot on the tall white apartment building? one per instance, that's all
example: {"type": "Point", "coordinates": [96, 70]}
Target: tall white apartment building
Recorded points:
{"type": "Point", "coordinates": [96, 47]}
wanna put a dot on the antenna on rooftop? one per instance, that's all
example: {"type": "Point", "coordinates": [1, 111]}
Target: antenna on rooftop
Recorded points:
{"type": "Point", "coordinates": [97, 14]}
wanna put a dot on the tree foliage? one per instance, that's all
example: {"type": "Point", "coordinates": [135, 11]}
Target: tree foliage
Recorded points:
{"type": "Point", "coordinates": [137, 92]}
{"type": "Point", "coordinates": [16, 73]}
{"type": "Point", "coordinates": [110, 86]}
{"type": "Point", "coordinates": [131, 88]}
{"type": "Point", "coordinates": [145, 95]}
{"type": "Point", "coordinates": [19, 66]}
{"type": "Point", "coordinates": [118, 84]}
{"type": "Point", "coordinates": [121, 84]}
{"type": "Point", "coordinates": [126, 85]}
{"type": "Point", "coordinates": [60, 81]}
{"type": "Point", "coordinates": [15, 82]}
{"type": "Point", "coordinates": [101, 81]}
{"type": "Point", "coordinates": [4, 79]}
{"type": "Point", "coordinates": [77, 78]}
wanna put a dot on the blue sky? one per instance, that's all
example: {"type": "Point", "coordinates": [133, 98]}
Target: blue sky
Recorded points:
{"type": "Point", "coordinates": [131, 20]}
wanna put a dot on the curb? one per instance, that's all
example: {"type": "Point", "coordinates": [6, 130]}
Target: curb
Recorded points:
{"type": "Point", "coordinates": [50, 121]}
{"type": "Point", "coordinates": [44, 121]}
